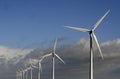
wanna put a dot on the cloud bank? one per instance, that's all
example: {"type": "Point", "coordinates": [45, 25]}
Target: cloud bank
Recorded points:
{"type": "Point", "coordinates": [76, 56]}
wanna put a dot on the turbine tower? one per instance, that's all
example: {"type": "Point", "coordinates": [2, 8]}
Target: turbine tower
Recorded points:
{"type": "Point", "coordinates": [53, 59]}
{"type": "Point", "coordinates": [92, 36]}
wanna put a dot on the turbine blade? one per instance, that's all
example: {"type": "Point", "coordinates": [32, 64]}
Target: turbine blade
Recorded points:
{"type": "Point", "coordinates": [28, 68]}
{"type": "Point", "coordinates": [79, 29]}
{"type": "Point", "coordinates": [35, 67]}
{"type": "Point", "coordinates": [100, 20]}
{"type": "Point", "coordinates": [96, 41]}
{"type": "Point", "coordinates": [54, 49]}
{"type": "Point", "coordinates": [47, 55]}
{"type": "Point", "coordinates": [30, 61]}
{"type": "Point", "coordinates": [59, 58]}
{"type": "Point", "coordinates": [40, 67]}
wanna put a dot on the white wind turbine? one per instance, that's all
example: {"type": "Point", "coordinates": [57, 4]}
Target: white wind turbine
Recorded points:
{"type": "Point", "coordinates": [92, 36]}
{"type": "Point", "coordinates": [20, 75]}
{"type": "Point", "coordinates": [31, 67]}
{"type": "Point", "coordinates": [17, 75]}
{"type": "Point", "coordinates": [26, 72]}
{"type": "Point", "coordinates": [53, 59]}
{"type": "Point", "coordinates": [22, 72]}
{"type": "Point", "coordinates": [39, 64]}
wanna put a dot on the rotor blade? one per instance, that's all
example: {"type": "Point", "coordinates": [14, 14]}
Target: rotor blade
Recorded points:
{"type": "Point", "coordinates": [41, 67]}
{"type": "Point", "coordinates": [59, 58]}
{"type": "Point", "coordinates": [100, 20]}
{"type": "Point", "coordinates": [35, 67]}
{"type": "Point", "coordinates": [96, 41]}
{"type": "Point", "coordinates": [44, 56]}
{"type": "Point", "coordinates": [79, 29]}
{"type": "Point", "coordinates": [30, 61]}
{"type": "Point", "coordinates": [27, 69]}
{"type": "Point", "coordinates": [47, 55]}
{"type": "Point", "coordinates": [55, 45]}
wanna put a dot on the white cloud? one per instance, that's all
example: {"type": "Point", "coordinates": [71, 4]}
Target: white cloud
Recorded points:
{"type": "Point", "coordinates": [111, 48]}
{"type": "Point", "coordinates": [12, 54]}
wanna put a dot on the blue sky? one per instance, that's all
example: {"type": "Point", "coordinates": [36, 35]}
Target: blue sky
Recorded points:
{"type": "Point", "coordinates": [33, 21]}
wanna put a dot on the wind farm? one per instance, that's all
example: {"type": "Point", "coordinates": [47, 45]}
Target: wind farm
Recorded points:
{"type": "Point", "coordinates": [53, 53]}
{"type": "Point", "coordinates": [21, 74]}
{"type": "Point", "coordinates": [65, 39]}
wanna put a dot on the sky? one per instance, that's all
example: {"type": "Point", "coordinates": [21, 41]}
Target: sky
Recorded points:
{"type": "Point", "coordinates": [26, 21]}
{"type": "Point", "coordinates": [29, 27]}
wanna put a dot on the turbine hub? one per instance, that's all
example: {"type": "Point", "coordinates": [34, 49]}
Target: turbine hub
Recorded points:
{"type": "Point", "coordinates": [90, 32]}
{"type": "Point", "coordinates": [53, 55]}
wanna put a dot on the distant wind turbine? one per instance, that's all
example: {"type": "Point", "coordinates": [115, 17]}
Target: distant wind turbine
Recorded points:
{"type": "Point", "coordinates": [92, 36]}
{"type": "Point", "coordinates": [53, 59]}
{"type": "Point", "coordinates": [39, 64]}
{"type": "Point", "coordinates": [23, 71]}
{"type": "Point", "coordinates": [17, 75]}
{"type": "Point", "coordinates": [31, 67]}
{"type": "Point", "coordinates": [26, 72]}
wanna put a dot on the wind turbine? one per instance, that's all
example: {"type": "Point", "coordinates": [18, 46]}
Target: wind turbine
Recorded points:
{"type": "Point", "coordinates": [31, 67]}
{"type": "Point", "coordinates": [26, 72]}
{"type": "Point", "coordinates": [23, 73]}
{"type": "Point", "coordinates": [17, 75]}
{"type": "Point", "coordinates": [92, 36]}
{"type": "Point", "coordinates": [53, 59]}
{"type": "Point", "coordinates": [39, 64]}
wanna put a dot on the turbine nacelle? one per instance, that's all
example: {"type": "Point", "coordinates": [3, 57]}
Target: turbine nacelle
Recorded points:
{"type": "Point", "coordinates": [53, 54]}
{"type": "Point", "coordinates": [91, 31]}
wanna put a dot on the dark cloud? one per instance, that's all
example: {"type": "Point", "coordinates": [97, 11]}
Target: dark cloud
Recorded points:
{"type": "Point", "coordinates": [76, 56]}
